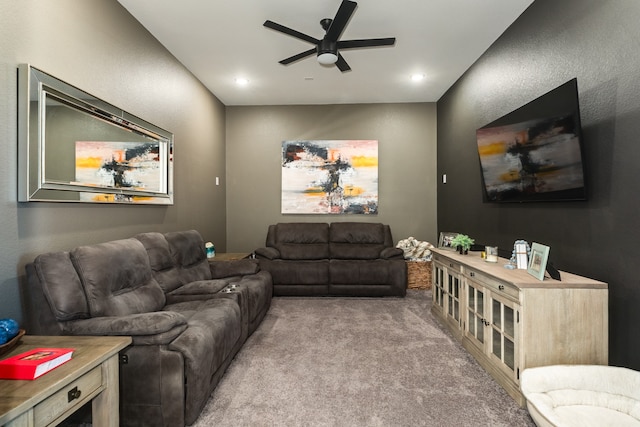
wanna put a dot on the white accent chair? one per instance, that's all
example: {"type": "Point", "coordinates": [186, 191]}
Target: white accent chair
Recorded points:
{"type": "Point", "coordinates": [582, 395]}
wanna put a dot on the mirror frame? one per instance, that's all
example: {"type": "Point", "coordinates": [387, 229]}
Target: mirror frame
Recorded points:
{"type": "Point", "coordinates": [36, 91]}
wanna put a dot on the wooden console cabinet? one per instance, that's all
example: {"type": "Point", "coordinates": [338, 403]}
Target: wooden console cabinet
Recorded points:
{"type": "Point", "coordinates": [509, 321]}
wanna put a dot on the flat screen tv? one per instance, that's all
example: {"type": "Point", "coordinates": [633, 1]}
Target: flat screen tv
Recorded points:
{"type": "Point", "coordinates": [535, 153]}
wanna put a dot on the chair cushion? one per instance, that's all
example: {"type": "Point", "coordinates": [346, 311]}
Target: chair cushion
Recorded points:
{"type": "Point", "coordinates": [582, 395]}
{"type": "Point", "coordinates": [117, 278]}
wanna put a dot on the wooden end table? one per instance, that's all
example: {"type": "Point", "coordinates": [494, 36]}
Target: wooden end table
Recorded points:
{"type": "Point", "coordinates": [92, 374]}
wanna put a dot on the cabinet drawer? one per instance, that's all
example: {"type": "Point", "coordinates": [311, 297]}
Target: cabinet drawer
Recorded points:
{"type": "Point", "coordinates": [450, 265]}
{"type": "Point", "coordinates": [498, 287]}
{"type": "Point", "coordinates": [57, 404]}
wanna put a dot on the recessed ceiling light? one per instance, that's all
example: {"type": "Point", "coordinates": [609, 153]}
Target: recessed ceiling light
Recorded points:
{"type": "Point", "coordinates": [417, 77]}
{"type": "Point", "coordinates": [241, 81]}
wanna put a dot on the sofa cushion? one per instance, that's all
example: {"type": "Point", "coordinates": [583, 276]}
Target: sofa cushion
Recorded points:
{"type": "Point", "coordinates": [359, 272]}
{"type": "Point", "coordinates": [356, 240]}
{"type": "Point", "coordinates": [392, 253]}
{"type": "Point", "coordinates": [190, 257]}
{"type": "Point", "coordinates": [357, 232]}
{"type": "Point", "coordinates": [240, 267]}
{"type": "Point", "coordinates": [215, 327]}
{"type": "Point", "coordinates": [201, 287]}
{"type": "Point", "coordinates": [158, 250]}
{"type": "Point", "coordinates": [302, 241]}
{"type": "Point", "coordinates": [61, 286]}
{"type": "Point", "coordinates": [268, 253]}
{"type": "Point", "coordinates": [117, 278]}
{"type": "Point", "coordinates": [154, 328]}
{"type": "Point", "coordinates": [187, 247]}
{"type": "Point", "coordinates": [258, 289]}
{"type": "Point", "coordinates": [162, 263]}
{"type": "Point", "coordinates": [303, 272]}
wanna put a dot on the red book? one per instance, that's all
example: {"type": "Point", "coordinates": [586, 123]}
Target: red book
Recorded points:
{"type": "Point", "coordinates": [33, 363]}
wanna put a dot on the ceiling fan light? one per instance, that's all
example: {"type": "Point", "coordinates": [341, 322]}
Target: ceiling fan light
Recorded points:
{"type": "Point", "coordinates": [327, 58]}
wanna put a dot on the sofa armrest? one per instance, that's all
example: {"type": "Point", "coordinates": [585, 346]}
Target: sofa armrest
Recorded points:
{"type": "Point", "coordinates": [392, 253]}
{"type": "Point", "coordinates": [268, 253]}
{"type": "Point", "coordinates": [160, 327]}
{"type": "Point", "coordinates": [241, 267]}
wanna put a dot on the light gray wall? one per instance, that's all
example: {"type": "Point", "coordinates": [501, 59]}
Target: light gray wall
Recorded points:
{"type": "Point", "coordinates": [97, 46]}
{"type": "Point", "coordinates": [406, 135]}
{"type": "Point", "coordinates": [553, 41]}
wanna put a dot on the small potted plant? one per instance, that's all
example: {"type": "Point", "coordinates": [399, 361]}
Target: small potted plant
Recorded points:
{"type": "Point", "coordinates": [462, 242]}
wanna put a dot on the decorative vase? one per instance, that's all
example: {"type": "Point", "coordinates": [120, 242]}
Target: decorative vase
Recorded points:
{"type": "Point", "coordinates": [463, 251]}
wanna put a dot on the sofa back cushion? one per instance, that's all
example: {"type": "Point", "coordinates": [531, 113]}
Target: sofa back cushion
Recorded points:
{"type": "Point", "coordinates": [117, 278]}
{"type": "Point", "coordinates": [358, 240]}
{"type": "Point", "coordinates": [297, 240]}
{"type": "Point", "coordinates": [189, 256]}
{"type": "Point", "coordinates": [164, 268]}
{"type": "Point", "coordinates": [61, 286]}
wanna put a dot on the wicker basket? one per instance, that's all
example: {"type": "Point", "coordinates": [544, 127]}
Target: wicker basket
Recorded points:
{"type": "Point", "coordinates": [418, 274]}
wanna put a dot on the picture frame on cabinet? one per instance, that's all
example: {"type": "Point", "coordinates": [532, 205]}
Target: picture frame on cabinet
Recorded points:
{"type": "Point", "coordinates": [521, 254]}
{"type": "Point", "coordinates": [538, 260]}
{"type": "Point", "coordinates": [446, 237]}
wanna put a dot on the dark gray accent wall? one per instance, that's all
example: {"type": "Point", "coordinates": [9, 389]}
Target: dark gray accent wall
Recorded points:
{"type": "Point", "coordinates": [99, 47]}
{"type": "Point", "coordinates": [597, 41]}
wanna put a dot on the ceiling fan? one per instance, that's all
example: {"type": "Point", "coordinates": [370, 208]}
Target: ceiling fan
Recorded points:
{"type": "Point", "coordinates": [328, 48]}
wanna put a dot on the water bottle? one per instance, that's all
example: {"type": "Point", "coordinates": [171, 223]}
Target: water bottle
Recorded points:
{"type": "Point", "coordinates": [211, 250]}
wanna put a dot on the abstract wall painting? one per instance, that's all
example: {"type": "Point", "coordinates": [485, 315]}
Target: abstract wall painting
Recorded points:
{"type": "Point", "coordinates": [330, 177]}
{"type": "Point", "coordinates": [120, 165]}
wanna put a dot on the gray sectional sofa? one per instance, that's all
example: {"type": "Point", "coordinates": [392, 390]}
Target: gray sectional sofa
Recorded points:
{"type": "Point", "coordinates": [185, 320]}
{"type": "Point", "coordinates": [333, 259]}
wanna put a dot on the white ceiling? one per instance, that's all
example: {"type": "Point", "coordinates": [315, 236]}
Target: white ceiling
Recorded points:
{"type": "Point", "coordinates": [220, 40]}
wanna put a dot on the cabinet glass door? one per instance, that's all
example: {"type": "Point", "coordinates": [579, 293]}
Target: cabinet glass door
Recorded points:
{"type": "Point", "coordinates": [503, 317]}
{"type": "Point", "coordinates": [475, 313]}
{"type": "Point", "coordinates": [453, 295]}
{"type": "Point", "coordinates": [438, 286]}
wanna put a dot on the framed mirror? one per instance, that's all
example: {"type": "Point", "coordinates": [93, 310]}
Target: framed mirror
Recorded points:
{"type": "Point", "coordinates": [74, 147]}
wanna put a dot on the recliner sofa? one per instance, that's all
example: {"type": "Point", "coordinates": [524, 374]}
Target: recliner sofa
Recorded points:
{"type": "Point", "coordinates": [185, 321]}
{"type": "Point", "coordinates": [333, 259]}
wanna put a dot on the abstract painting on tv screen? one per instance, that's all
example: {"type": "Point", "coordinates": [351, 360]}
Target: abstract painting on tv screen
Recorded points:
{"type": "Point", "coordinates": [121, 165]}
{"type": "Point", "coordinates": [330, 177]}
{"type": "Point", "coordinates": [534, 157]}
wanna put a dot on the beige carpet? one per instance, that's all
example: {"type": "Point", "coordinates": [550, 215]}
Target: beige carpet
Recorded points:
{"type": "Point", "coordinates": [357, 362]}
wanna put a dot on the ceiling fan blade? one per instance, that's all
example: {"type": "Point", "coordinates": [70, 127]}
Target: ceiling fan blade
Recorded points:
{"type": "Point", "coordinates": [290, 32]}
{"type": "Point", "coordinates": [342, 64]}
{"type": "Point", "coordinates": [354, 44]}
{"type": "Point", "coordinates": [341, 19]}
{"type": "Point", "coordinates": [299, 56]}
